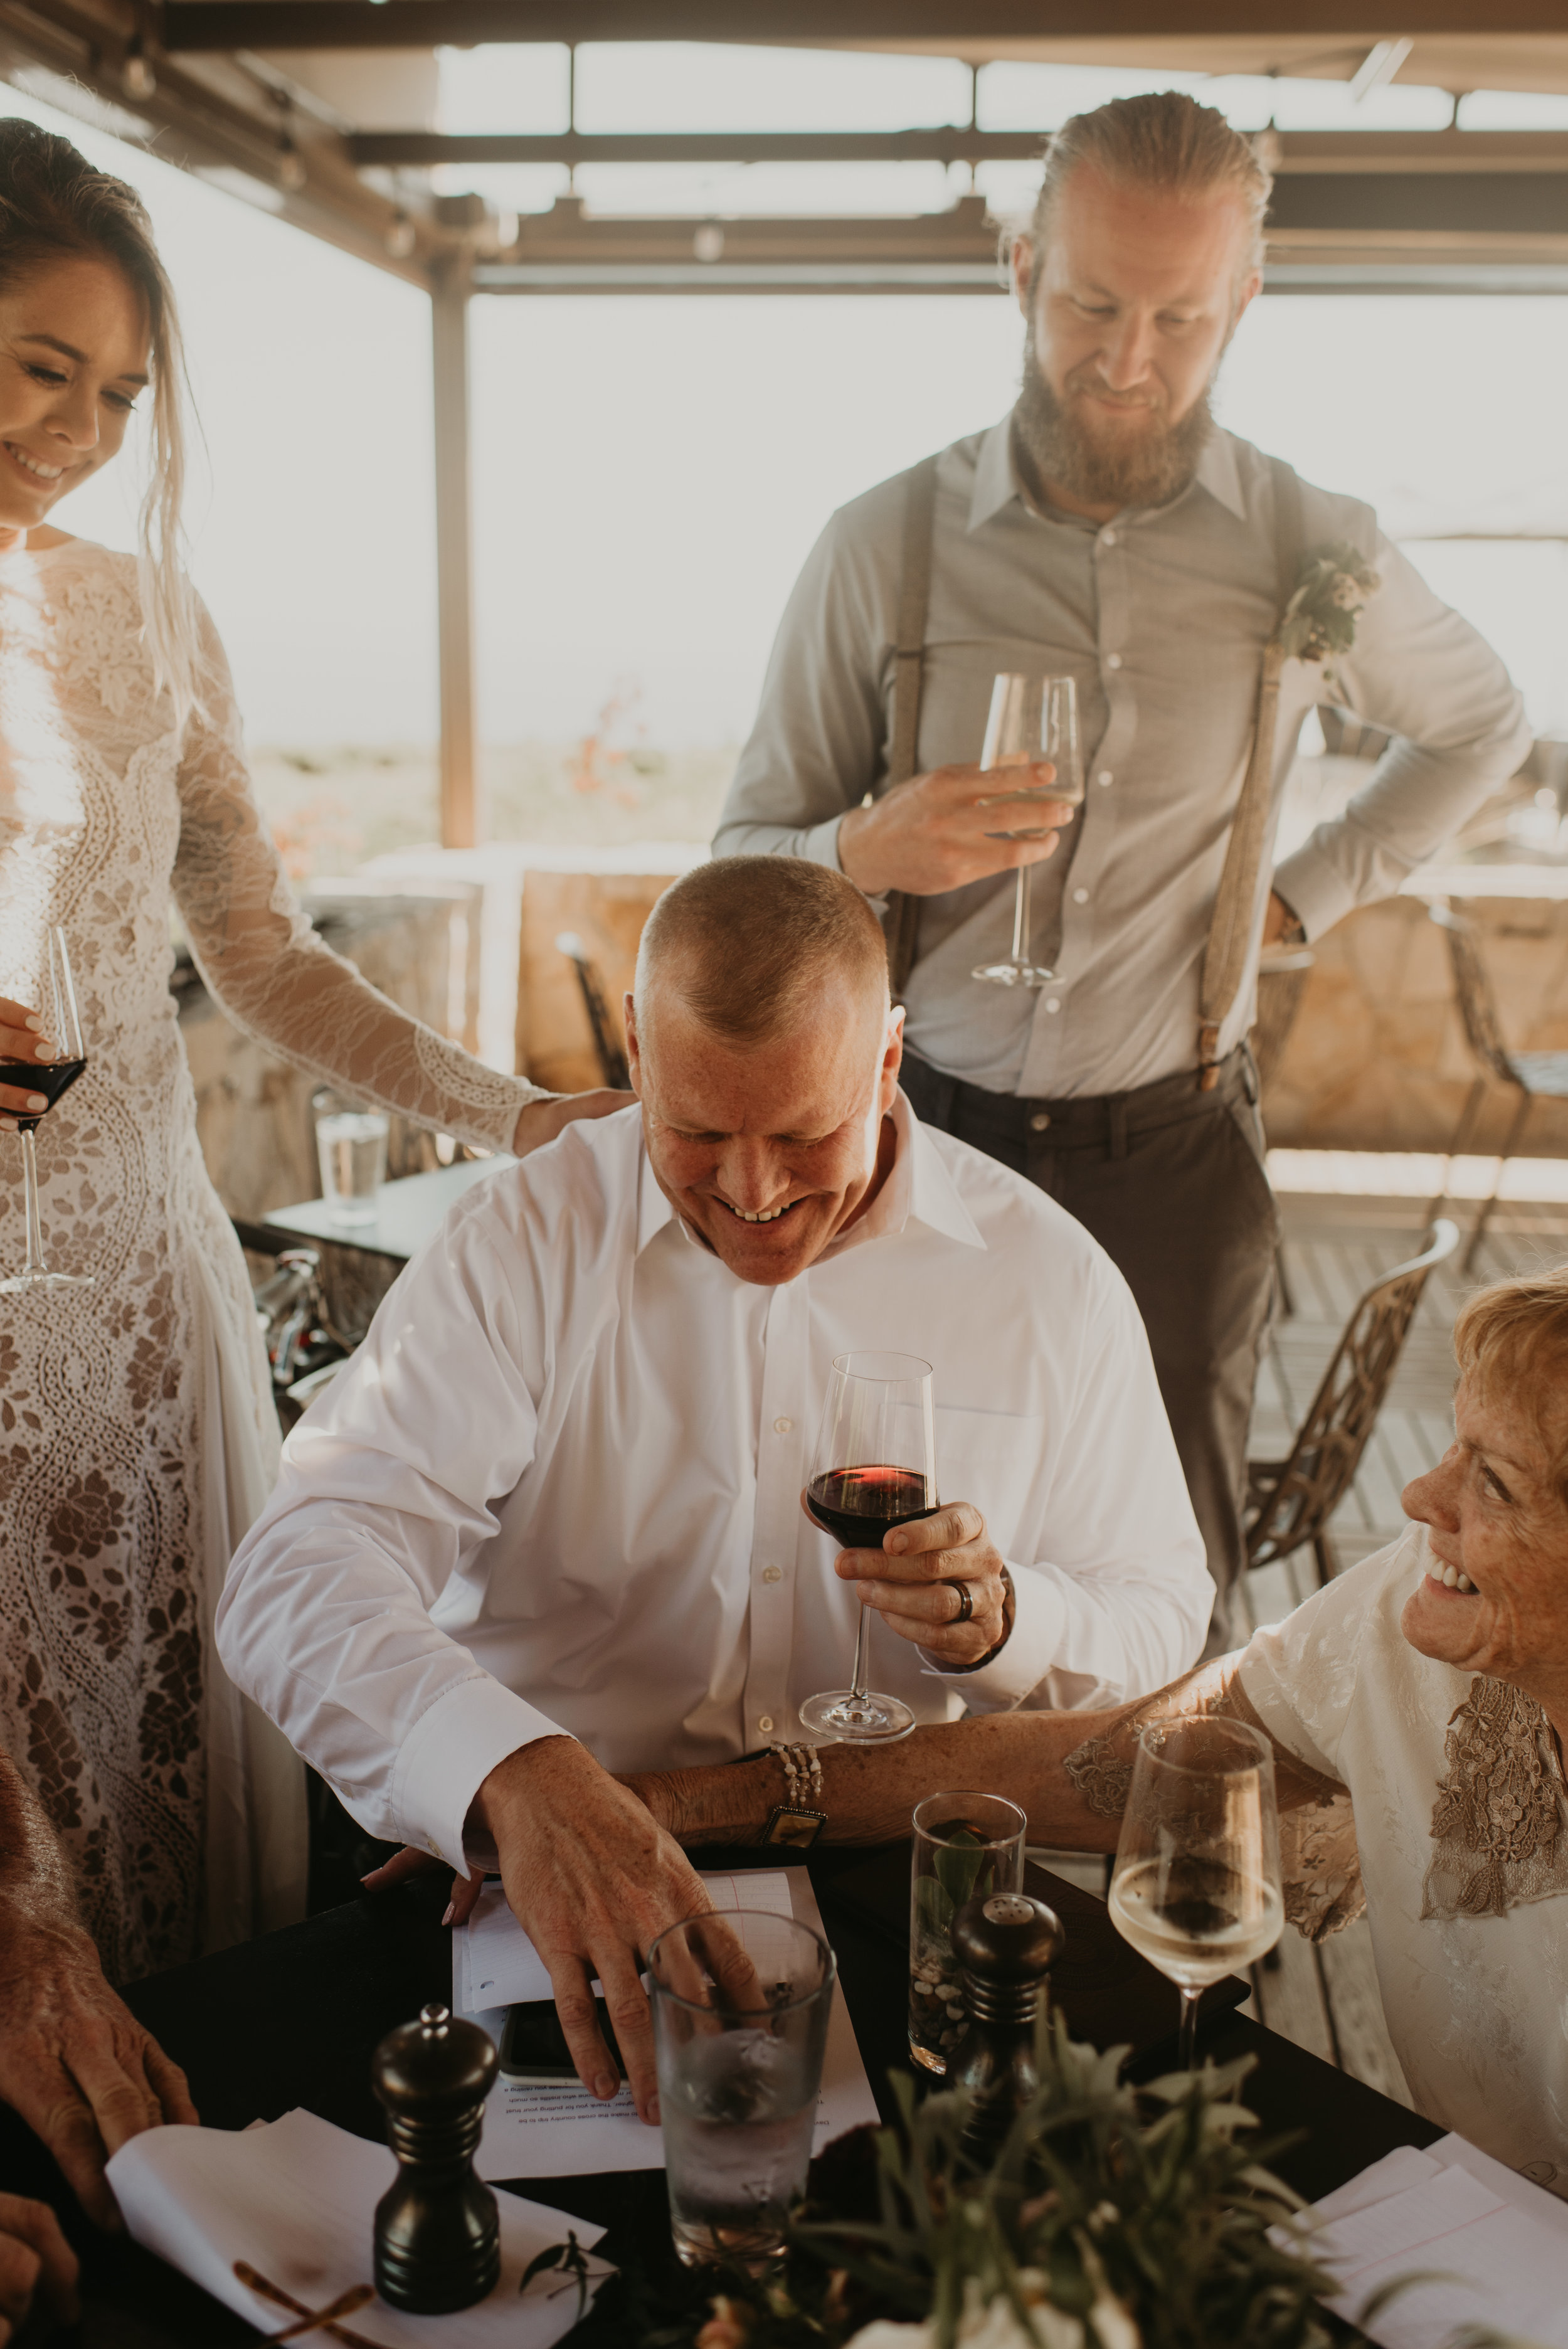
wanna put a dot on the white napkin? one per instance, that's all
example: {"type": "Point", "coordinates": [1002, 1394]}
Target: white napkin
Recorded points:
{"type": "Point", "coordinates": [295, 2198]}
{"type": "Point", "coordinates": [1495, 2243]}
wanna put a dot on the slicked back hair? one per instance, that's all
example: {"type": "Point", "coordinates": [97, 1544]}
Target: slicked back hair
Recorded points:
{"type": "Point", "coordinates": [749, 943]}
{"type": "Point", "coordinates": [56, 206]}
{"type": "Point", "coordinates": [1164, 140]}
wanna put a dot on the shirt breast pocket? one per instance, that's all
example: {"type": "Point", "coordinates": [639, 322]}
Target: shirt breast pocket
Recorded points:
{"type": "Point", "coordinates": [993, 1458]}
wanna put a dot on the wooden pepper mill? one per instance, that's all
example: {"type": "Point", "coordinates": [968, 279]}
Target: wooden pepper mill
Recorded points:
{"type": "Point", "coordinates": [437, 2233]}
{"type": "Point", "coordinates": [1006, 1946]}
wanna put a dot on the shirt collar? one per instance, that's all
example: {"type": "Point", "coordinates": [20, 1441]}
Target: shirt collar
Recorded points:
{"type": "Point", "coordinates": [919, 1189]}
{"type": "Point", "coordinates": [997, 480]}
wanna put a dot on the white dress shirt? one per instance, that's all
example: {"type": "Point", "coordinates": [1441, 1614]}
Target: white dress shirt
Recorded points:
{"type": "Point", "coordinates": [558, 1487]}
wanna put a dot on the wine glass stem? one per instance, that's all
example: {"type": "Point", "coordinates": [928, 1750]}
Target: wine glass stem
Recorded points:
{"type": "Point", "coordinates": [1021, 916]}
{"type": "Point", "coordinates": [862, 1638]}
{"type": "Point", "coordinates": [1187, 2045]}
{"type": "Point", "coordinates": [35, 1262]}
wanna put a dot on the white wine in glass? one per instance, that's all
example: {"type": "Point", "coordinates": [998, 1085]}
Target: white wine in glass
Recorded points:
{"type": "Point", "coordinates": [874, 1468]}
{"type": "Point", "coordinates": [45, 985]}
{"type": "Point", "coordinates": [1032, 717]}
{"type": "Point", "coordinates": [1196, 1887]}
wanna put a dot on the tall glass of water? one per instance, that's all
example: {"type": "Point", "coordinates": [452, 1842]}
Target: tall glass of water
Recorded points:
{"type": "Point", "coordinates": [740, 2004]}
{"type": "Point", "coordinates": [1032, 717]}
{"type": "Point", "coordinates": [1196, 1886]}
{"type": "Point", "coordinates": [351, 1150]}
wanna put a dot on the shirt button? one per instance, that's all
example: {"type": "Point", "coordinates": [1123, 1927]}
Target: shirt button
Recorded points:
{"type": "Point", "coordinates": [1080, 896]}
{"type": "Point", "coordinates": [765, 1722]}
{"type": "Point", "coordinates": [1053, 1003]}
{"type": "Point", "coordinates": [1103, 779]}
{"type": "Point", "coordinates": [1039, 1120]}
{"type": "Point", "coordinates": [1113, 660]}
{"type": "Point", "coordinates": [1108, 538]}
{"type": "Point", "coordinates": [782, 1426]}
{"type": "Point", "coordinates": [772, 1573]}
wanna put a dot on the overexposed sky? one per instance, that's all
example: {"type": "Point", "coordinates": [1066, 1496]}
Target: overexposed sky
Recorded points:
{"type": "Point", "coordinates": [650, 472]}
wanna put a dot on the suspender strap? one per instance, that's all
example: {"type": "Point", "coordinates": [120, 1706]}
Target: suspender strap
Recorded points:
{"type": "Point", "coordinates": [1225, 956]}
{"type": "Point", "coordinates": [903, 919]}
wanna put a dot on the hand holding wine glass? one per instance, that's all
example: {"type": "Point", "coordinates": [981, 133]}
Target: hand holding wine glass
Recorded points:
{"type": "Point", "coordinates": [874, 1468]}
{"type": "Point", "coordinates": [1196, 1886]}
{"type": "Point", "coordinates": [30, 1086]}
{"type": "Point", "coordinates": [1031, 718]}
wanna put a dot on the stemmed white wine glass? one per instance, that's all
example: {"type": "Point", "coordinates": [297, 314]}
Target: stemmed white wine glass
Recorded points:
{"type": "Point", "coordinates": [1032, 717]}
{"type": "Point", "coordinates": [1196, 1886]}
{"type": "Point", "coordinates": [874, 1467]}
{"type": "Point", "coordinates": [46, 986]}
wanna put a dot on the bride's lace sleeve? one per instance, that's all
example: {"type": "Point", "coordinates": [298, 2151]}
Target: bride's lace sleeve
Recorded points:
{"type": "Point", "coordinates": [276, 978]}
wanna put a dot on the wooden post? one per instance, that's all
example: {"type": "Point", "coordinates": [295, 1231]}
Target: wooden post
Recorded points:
{"type": "Point", "coordinates": [460, 825]}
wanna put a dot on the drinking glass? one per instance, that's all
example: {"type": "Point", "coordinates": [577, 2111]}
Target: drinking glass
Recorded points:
{"type": "Point", "coordinates": [966, 1846]}
{"type": "Point", "coordinates": [741, 2024]}
{"type": "Point", "coordinates": [874, 1467]}
{"type": "Point", "coordinates": [45, 985]}
{"type": "Point", "coordinates": [1196, 1886]}
{"type": "Point", "coordinates": [1032, 717]}
{"type": "Point", "coordinates": [351, 1150]}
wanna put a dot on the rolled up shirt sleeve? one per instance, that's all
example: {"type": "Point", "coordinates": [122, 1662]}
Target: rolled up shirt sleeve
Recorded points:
{"type": "Point", "coordinates": [818, 745]}
{"type": "Point", "coordinates": [1423, 673]}
{"type": "Point", "coordinates": [1123, 1603]}
{"type": "Point", "coordinates": [386, 1492]}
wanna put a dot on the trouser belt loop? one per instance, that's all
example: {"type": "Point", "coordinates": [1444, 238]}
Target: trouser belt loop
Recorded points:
{"type": "Point", "coordinates": [1115, 1123]}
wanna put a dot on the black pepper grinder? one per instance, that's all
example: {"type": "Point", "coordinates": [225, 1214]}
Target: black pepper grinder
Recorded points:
{"type": "Point", "coordinates": [1006, 1947]}
{"type": "Point", "coordinates": [437, 2233]}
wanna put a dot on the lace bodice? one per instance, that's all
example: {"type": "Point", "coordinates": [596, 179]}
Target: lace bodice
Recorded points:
{"type": "Point", "coordinates": [137, 1430]}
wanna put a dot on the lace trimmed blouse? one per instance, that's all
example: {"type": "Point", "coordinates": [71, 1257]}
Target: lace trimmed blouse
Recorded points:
{"type": "Point", "coordinates": [1461, 1819]}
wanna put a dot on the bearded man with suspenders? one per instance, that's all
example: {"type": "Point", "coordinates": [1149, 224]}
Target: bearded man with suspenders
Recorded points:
{"type": "Point", "coordinates": [1109, 529]}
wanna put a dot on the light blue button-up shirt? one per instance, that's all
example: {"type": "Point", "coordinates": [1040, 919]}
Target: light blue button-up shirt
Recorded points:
{"type": "Point", "coordinates": [1161, 615]}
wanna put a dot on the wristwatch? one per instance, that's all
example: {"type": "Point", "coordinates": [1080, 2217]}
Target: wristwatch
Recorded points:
{"type": "Point", "coordinates": [795, 1823]}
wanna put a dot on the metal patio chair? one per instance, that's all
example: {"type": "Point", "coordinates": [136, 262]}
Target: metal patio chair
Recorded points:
{"type": "Point", "coordinates": [1537, 1075]}
{"type": "Point", "coordinates": [1290, 1501]}
{"type": "Point", "coordinates": [611, 1058]}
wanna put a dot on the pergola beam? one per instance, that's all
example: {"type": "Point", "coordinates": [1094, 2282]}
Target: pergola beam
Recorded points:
{"type": "Point", "coordinates": [425, 24]}
{"type": "Point", "coordinates": [460, 815]}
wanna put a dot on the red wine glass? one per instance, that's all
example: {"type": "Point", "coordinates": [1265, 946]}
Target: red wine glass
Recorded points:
{"type": "Point", "coordinates": [874, 1467]}
{"type": "Point", "coordinates": [49, 989]}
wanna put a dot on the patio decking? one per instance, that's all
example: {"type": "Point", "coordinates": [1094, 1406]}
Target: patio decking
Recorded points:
{"type": "Point", "coordinates": [1336, 1243]}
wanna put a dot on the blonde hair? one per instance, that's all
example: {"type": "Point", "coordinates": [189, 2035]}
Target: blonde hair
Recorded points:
{"type": "Point", "coordinates": [755, 937]}
{"type": "Point", "coordinates": [1165, 141]}
{"type": "Point", "coordinates": [54, 204]}
{"type": "Point", "coordinates": [1515, 1336]}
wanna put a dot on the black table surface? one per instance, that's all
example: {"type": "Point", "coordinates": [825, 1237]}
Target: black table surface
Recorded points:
{"type": "Point", "coordinates": [291, 2020]}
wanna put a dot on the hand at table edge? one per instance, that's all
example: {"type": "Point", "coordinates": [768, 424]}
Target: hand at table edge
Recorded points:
{"type": "Point", "coordinates": [594, 1880]}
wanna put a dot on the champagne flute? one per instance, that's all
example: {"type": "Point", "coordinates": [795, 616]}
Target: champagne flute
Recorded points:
{"type": "Point", "coordinates": [1196, 1886]}
{"type": "Point", "coordinates": [874, 1467]}
{"type": "Point", "coordinates": [1032, 717]}
{"type": "Point", "coordinates": [50, 988]}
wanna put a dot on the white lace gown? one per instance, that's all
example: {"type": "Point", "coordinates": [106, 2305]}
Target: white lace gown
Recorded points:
{"type": "Point", "coordinates": [137, 1438]}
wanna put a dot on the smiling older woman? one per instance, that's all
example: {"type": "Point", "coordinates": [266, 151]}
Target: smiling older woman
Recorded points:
{"type": "Point", "coordinates": [1431, 1683]}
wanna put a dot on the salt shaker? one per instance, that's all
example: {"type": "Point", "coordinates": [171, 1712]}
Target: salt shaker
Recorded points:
{"type": "Point", "coordinates": [1006, 1947]}
{"type": "Point", "coordinates": [438, 2234]}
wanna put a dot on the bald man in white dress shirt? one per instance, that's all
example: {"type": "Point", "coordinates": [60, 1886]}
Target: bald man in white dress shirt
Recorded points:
{"type": "Point", "coordinates": [546, 1525]}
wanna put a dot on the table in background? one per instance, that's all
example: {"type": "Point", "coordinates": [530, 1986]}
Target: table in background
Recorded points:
{"type": "Point", "coordinates": [293, 2018]}
{"type": "Point", "coordinates": [408, 1213]}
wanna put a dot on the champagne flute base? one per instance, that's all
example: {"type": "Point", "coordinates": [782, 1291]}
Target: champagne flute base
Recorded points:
{"type": "Point", "coordinates": [857, 1718]}
{"type": "Point", "coordinates": [1012, 974]}
{"type": "Point", "coordinates": [26, 1280]}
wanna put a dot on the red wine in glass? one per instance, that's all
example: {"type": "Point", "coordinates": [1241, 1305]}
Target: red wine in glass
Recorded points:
{"type": "Point", "coordinates": [45, 982]}
{"type": "Point", "coordinates": [874, 1467]}
{"type": "Point", "coordinates": [50, 1078]}
{"type": "Point", "coordinates": [860, 1505]}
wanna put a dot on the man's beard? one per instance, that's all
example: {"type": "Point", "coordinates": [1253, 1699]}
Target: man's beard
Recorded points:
{"type": "Point", "coordinates": [1144, 469]}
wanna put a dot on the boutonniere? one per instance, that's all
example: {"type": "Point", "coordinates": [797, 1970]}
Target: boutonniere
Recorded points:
{"type": "Point", "coordinates": [1320, 621]}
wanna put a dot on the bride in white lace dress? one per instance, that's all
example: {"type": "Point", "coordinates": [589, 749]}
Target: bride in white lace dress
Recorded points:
{"type": "Point", "coordinates": [136, 1431]}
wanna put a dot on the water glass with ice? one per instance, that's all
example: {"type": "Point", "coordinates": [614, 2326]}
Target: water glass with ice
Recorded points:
{"type": "Point", "coordinates": [351, 1146]}
{"type": "Point", "coordinates": [966, 1847]}
{"type": "Point", "coordinates": [740, 2004]}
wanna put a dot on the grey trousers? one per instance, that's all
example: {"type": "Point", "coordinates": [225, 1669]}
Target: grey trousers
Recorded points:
{"type": "Point", "coordinates": [1171, 1181]}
